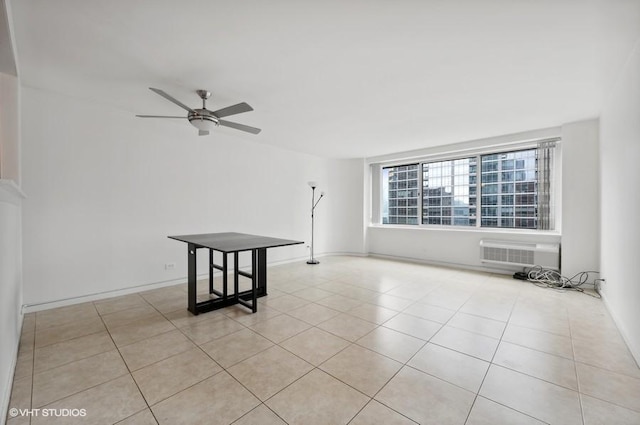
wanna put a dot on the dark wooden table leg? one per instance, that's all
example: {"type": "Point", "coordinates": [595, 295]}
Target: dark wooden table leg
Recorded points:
{"type": "Point", "coordinates": [262, 271]}
{"type": "Point", "coordinates": [255, 274]}
{"type": "Point", "coordinates": [192, 292]}
{"type": "Point", "coordinates": [211, 268]}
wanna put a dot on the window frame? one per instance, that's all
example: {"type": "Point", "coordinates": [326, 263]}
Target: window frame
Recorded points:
{"type": "Point", "coordinates": [464, 154]}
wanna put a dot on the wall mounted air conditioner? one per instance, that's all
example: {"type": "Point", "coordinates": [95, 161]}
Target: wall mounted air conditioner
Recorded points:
{"type": "Point", "coordinates": [522, 254]}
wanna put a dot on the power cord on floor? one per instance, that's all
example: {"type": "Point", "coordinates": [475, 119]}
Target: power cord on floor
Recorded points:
{"type": "Point", "coordinates": [548, 278]}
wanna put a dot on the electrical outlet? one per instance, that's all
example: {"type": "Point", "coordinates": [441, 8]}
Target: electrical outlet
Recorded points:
{"type": "Point", "coordinates": [170, 266]}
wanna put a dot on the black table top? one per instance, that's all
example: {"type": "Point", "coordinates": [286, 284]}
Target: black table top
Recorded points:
{"type": "Point", "coordinates": [233, 242]}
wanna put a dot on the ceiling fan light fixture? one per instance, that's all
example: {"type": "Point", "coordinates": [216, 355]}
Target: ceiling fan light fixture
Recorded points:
{"type": "Point", "coordinates": [202, 122]}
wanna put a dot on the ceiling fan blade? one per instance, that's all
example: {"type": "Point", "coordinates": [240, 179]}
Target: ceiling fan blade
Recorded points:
{"type": "Point", "coordinates": [203, 133]}
{"type": "Point", "coordinates": [237, 126]}
{"type": "Point", "coordinates": [232, 110]}
{"type": "Point", "coordinates": [158, 116]}
{"type": "Point", "coordinates": [171, 99]}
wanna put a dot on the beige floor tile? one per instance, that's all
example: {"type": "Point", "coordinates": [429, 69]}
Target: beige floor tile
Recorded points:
{"type": "Point", "coordinates": [144, 417]}
{"type": "Point", "coordinates": [542, 320]}
{"type": "Point", "coordinates": [539, 340]}
{"type": "Point", "coordinates": [183, 317]}
{"type": "Point", "coordinates": [27, 342]}
{"type": "Point", "coordinates": [393, 344]}
{"type": "Point", "coordinates": [598, 412]}
{"type": "Point", "coordinates": [280, 328]}
{"type": "Point", "coordinates": [208, 330]}
{"type": "Point", "coordinates": [447, 297]}
{"type": "Point", "coordinates": [372, 313]}
{"type": "Point", "coordinates": [476, 324]}
{"type": "Point", "coordinates": [414, 326]}
{"type": "Point", "coordinates": [487, 412]}
{"type": "Point", "coordinates": [247, 318]}
{"type": "Point", "coordinates": [124, 302]}
{"type": "Point", "coordinates": [170, 304]}
{"type": "Point", "coordinates": [19, 420]}
{"type": "Point", "coordinates": [312, 294]}
{"type": "Point", "coordinates": [347, 327]}
{"type": "Point", "coordinates": [236, 347]}
{"type": "Point", "coordinates": [359, 293]}
{"type": "Point", "coordinates": [174, 374]}
{"type": "Point", "coordinates": [70, 330]}
{"type": "Point", "coordinates": [313, 313]}
{"type": "Point", "coordinates": [454, 367]}
{"type": "Point", "coordinates": [488, 307]}
{"type": "Point", "coordinates": [218, 400]}
{"type": "Point", "coordinates": [554, 369]}
{"type": "Point", "coordinates": [269, 371]}
{"type": "Point", "coordinates": [613, 387]}
{"type": "Point", "coordinates": [139, 330]}
{"type": "Point", "coordinates": [285, 303]}
{"type": "Point", "coordinates": [470, 343]}
{"type": "Point", "coordinates": [130, 315]}
{"type": "Point", "coordinates": [289, 286]}
{"type": "Point", "coordinates": [332, 286]}
{"type": "Point", "coordinates": [376, 413]}
{"type": "Point", "coordinates": [613, 356]}
{"type": "Point", "coordinates": [28, 323]}
{"type": "Point", "coordinates": [65, 315]}
{"type": "Point", "coordinates": [333, 401]}
{"type": "Point", "coordinates": [531, 396]}
{"type": "Point", "coordinates": [107, 403]}
{"type": "Point", "coordinates": [24, 365]}
{"type": "Point", "coordinates": [156, 348]}
{"type": "Point", "coordinates": [391, 302]}
{"type": "Point", "coordinates": [21, 393]}
{"type": "Point", "coordinates": [261, 415]}
{"type": "Point", "coordinates": [63, 381]}
{"type": "Point", "coordinates": [315, 345]}
{"type": "Point", "coordinates": [339, 302]}
{"type": "Point", "coordinates": [362, 369]}
{"type": "Point", "coordinates": [55, 355]}
{"type": "Point", "coordinates": [426, 399]}
{"type": "Point", "coordinates": [430, 312]}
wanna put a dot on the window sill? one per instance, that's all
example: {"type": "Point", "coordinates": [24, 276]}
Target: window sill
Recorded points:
{"type": "Point", "coordinates": [419, 228]}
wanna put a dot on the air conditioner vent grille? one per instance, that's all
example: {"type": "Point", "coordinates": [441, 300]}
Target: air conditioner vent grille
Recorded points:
{"type": "Point", "coordinates": [520, 254]}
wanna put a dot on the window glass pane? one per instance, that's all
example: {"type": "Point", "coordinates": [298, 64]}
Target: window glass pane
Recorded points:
{"type": "Point", "coordinates": [508, 189]}
{"type": "Point", "coordinates": [400, 194]}
{"type": "Point", "coordinates": [449, 190]}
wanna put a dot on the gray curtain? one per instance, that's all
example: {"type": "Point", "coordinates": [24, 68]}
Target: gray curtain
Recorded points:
{"type": "Point", "coordinates": [546, 149]}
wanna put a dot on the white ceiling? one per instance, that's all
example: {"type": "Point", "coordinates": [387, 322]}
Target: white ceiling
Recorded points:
{"type": "Point", "coordinates": [336, 78]}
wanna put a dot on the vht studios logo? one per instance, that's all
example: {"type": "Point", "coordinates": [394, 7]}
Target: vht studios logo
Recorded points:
{"type": "Point", "coordinates": [48, 412]}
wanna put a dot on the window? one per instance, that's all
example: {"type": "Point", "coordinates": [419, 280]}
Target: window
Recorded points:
{"type": "Point", "coordinates": [449, 192]}
{"type": "Point", "coordinates": [400, 194]}
{"type": "Point", "coordinates": [510, 189]}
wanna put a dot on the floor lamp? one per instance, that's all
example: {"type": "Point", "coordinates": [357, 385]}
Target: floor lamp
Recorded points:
{"type": "Point", "coordinates": [314, 203]}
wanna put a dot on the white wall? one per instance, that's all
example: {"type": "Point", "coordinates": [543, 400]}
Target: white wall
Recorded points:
{"type": "Point", "coordinates": [10, 286]}
{"type": "Point", "coordinates": [620, 227]}
{"type": "Point", "coordinates": [9, 128]}
{"type": "Point", "coordinates": [105, 189]}
{"type": "Point", "coordinates": [580, 198]}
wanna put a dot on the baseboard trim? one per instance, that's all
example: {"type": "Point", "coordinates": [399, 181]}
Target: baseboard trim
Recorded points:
{"type": "Point", "coordinates": [29, 308]}
{"type": "Point", "coordinates": [442, 264]}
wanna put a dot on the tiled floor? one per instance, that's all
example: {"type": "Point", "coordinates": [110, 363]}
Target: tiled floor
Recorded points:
{"type": "Point", "coordinates": [352, 340]}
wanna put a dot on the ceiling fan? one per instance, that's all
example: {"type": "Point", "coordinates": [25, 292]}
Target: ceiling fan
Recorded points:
{"type": "Point", "coordinates": [203, 119]}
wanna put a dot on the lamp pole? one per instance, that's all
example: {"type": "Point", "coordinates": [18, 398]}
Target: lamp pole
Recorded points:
{"type": "Point", "coordinates": [314, 203]}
